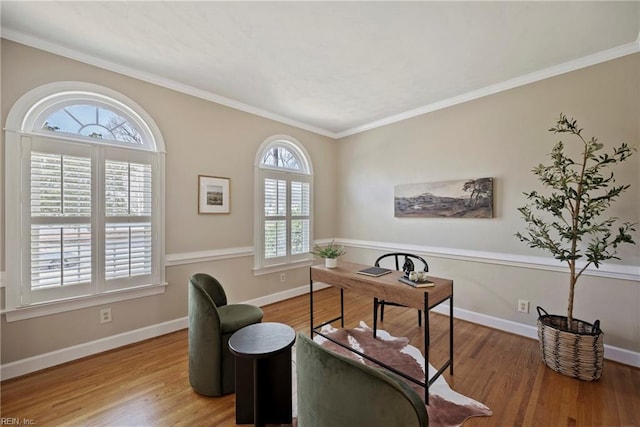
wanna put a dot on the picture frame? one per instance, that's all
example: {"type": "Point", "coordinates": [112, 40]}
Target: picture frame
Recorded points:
{"type": "Point", "coordinates": [465, 198]}
{"type": "Point", "coordinates": [214, 195]}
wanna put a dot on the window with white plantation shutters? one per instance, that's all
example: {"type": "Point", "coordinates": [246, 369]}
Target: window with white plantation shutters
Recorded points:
{"type": "Point", "coordinates": [60, 220]}
{"type": "Point", "coordinates": [275, 218]}
{"type": "Point", "coordinates": [128, 250]}
{"type": "Point", "coordinates": [84, 200]}
{"type": "Point", "coordinates": [283, 221]}
{"type": "Point", "coordinates": [300, 217]}
{"type": "Point", "coordinates": [128, 231]}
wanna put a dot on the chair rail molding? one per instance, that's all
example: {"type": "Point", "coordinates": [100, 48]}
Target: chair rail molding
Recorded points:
{"type": "Point", "coordinates": [207, 255]}
{"type": "Point", "coordinates": [181, 258]}
{"type": "Point", "coordinates": [612, 271]}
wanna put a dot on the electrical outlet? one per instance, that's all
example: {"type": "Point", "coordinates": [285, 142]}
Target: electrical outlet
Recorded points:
{"type": "Point", "coordinates": [105, 315]}
{"type": "Point", "coordinates": [523, 306]}
{"type": "Point", "coordinates": [283, 277]}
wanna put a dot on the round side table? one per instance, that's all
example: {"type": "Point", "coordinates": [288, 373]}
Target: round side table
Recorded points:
{"type": "Point", "coordinates": [263, 373]}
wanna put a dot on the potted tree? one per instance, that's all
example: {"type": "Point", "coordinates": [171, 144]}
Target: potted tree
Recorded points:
{"type": "Point", "coordinates": [569, 222]}
{"type": "Point", "coordinates": [330, 253]}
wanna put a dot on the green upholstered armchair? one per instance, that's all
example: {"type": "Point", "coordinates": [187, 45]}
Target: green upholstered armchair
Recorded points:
{"type": "Point", "coordinates": [211, 323]}
{"type": "Point", "coordinates": [339, 392]}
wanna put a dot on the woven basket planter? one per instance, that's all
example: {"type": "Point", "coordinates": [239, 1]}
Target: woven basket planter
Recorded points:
{"type": "Point", "coordinates": [578, 353]}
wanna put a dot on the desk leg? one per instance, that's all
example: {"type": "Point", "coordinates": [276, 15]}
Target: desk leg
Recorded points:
{"type": "Point", "coordinates": [311, 304]}
{"type": "Point", "coordinates": [451, 333]}
{"type": "Point", "coordinates": [426, 347]}
{"type": "Point", "coordinates": [342, 308]}
{"type": "Point", "coordinates": [375, 317]}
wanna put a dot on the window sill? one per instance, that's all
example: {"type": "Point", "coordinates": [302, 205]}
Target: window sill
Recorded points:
{"type": "Point", "coordinates": [282, 267]}
{"type": "Point", "coordinates": [53, 307]}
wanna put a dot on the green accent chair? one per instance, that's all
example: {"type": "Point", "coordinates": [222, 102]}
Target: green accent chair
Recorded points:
{"type": "Point", "coordinates": [211, 323]}
{"type": "Point", "coordinates": [340, 392]}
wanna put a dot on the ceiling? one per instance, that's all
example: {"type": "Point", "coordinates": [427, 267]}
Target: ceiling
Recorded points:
{"type": "Point", "coordinates": [335, 68]}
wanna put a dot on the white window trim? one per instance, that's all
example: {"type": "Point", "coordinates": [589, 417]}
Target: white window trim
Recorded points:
{"type": "Point", "coordinates": [76, 303]}
{"type": "Point", "coordinates": [20, 120]}
{"type": "Point", "coordinates": [295, 146]}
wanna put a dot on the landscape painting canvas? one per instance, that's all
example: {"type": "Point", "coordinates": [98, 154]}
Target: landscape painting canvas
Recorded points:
{"type": "Point", "coordinates": [469, 198]}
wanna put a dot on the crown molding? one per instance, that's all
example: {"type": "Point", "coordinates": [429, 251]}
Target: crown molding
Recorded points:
{"type": "Point", "coordinates": [57, 49]}
{"type": "Point", "coordinates": [586, 61]}
{"type": "Point", "coordinates": [556, 70]}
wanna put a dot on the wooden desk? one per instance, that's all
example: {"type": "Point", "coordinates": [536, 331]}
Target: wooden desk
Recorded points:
{"type": "Point", "coordinates": [387, 288]}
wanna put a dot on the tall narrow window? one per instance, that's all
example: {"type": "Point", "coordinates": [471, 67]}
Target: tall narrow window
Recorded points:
{"type": "Point", "coordinates": [284, 194]}
{"type": "Point", "coordinates": [128, 195]}
{"type": "Point", "coordinates": [60, 237]}
{"type": "Point", "coordinates": [93, 221]}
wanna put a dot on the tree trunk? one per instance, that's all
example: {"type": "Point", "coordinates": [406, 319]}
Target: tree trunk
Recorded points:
{"type": "Point", "coordinates": [572, 286]}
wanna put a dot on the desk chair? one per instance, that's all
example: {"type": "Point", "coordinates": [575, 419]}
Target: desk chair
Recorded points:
{"type": "Point", "coordinates": [409, 264]}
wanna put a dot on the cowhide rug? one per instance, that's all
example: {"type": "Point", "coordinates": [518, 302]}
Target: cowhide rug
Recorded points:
{"type": "Point", "coordinates": [446, 408]}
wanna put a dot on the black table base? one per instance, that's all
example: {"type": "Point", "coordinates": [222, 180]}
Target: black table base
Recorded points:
{"type": "Point", "coordinates": [273, 395]}
{"type": "Point", "coordinates": [263, 373]}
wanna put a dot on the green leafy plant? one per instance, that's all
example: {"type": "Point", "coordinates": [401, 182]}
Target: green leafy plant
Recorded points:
{"type": "Point", "coordinates": [569, 222]}
{"type": "Point", "coordinates": [330, 251]}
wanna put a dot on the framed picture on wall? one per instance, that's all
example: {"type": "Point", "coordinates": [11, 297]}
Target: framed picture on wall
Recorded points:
{"type": "Point", "coordinates": [214, 195]}
{"type": "Point", "coordinates": [466, 198]}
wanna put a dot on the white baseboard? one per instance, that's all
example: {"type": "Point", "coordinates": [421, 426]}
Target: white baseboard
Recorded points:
{"type": "Point", "coordinates": [289, 293]}
{"type": "Point", "coordinates": [47, 360]}
{"type": "Point", "coordinates": [615, 354]}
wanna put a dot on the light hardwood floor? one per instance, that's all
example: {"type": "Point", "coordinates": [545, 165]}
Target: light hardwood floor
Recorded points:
{"type": "Point", "coordinates": [146, 384]}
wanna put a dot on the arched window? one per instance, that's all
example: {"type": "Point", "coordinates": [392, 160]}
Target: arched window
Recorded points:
{"type": "Point", "coordinates": [93, 121]}
{"type": "Point", "coordinates": [284, 190]}
{"type": "Point", "coordinates": [89, 163]}
{"type": "Point", "coordinates": [281, 157]}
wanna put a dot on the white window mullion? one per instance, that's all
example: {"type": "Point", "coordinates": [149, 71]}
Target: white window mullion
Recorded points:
{"type": "Point", "coordinates": [157, 219]}
{"type": "Point", "coordinates": [98, 221]}
{"type": "Point", "coordinates": [22, 294]}
{"type": "Point", "coordinates": [287, 218]}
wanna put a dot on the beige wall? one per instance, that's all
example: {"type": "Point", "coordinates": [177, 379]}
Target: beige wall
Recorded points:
{"type": "Point", "coordinates": [201, 138]}
{"type": "Point", "coordinates": [501, 136]}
